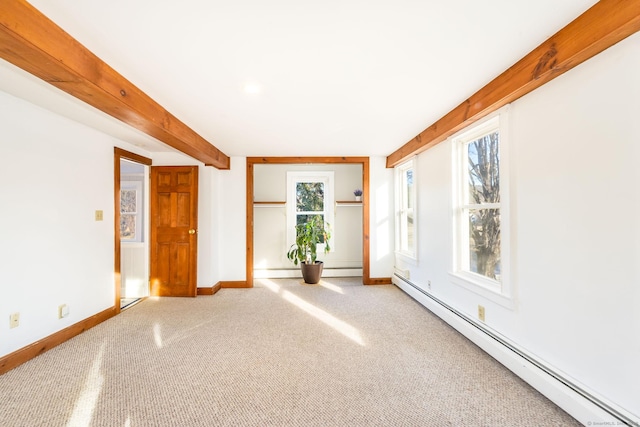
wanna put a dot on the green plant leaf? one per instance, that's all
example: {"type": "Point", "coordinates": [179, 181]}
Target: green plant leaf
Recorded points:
{"type": "Point", "coordinates": [308, 235]}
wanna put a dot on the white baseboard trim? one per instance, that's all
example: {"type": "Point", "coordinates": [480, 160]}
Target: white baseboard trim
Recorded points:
{"type": "Point", "coordinates": [583, 405]}
{"type": "Point", "coordinates": [295, 273]}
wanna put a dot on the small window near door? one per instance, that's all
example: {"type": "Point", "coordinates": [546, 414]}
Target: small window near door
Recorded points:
{"type": "Point", "coordinates": [131, 211]}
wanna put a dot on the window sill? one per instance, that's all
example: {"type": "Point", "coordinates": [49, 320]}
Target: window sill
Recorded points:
{"type": "Point", "coordinates": [485, 288]}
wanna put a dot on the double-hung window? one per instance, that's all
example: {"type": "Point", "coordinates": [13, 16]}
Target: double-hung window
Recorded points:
{"type": "Point", "coordinates": [406, 210]}
{"type": "Point", "coordinates": [480, 214]}
{"type": "Point", "coordinates": [310, 195]}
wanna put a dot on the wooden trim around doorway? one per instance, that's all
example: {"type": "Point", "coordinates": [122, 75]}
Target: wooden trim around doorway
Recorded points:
{"type": "Point", "coordinates": [209, 291]}
{"type": "Point", "coordinates": [364, 161]}
{"type": "Point", "coordinates": [120, 154]}
{"type": "Point", "coordinates": [237, 284]}
{"type": "Point", "coordinates": [223, 284]}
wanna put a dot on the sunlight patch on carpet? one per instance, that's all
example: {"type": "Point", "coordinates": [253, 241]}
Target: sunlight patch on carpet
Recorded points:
{"type": "Point", "coordinates": [157, 335]}
{"type": "Point", "coordinates": [86, 403]}
{"type": "Point", "coordinates": [331, 287]}
{"type": "Point", "coordinates": [338, 325]}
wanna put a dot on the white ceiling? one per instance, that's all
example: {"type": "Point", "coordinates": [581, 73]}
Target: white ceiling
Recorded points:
{"type": "Point", "coordinates": [336, 77]}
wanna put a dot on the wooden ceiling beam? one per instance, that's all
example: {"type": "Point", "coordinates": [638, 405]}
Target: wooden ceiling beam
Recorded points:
{"type": "Point", "coordinates": [601, 26]}
{"type": "Point", "coordinates": [305, 160]}
{"type": "Point", "coordinates": [33, 42]}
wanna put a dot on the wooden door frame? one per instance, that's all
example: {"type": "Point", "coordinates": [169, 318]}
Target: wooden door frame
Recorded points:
{"type": "Point", "coordinates": [120, 154]}
{"type": "Point", "coordinates": [364, 161]}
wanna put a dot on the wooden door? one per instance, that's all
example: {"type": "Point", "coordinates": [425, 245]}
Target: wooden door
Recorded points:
{"type": "Point", "coordinates": [174, 218]}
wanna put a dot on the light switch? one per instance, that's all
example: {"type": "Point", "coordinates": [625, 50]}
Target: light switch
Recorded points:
{"type": "Point", "coordinates": [14, 320]}
{"type": "Point", "coordinates": [63, 311]}
{"type": "Point", "coordinates": [99, 215]}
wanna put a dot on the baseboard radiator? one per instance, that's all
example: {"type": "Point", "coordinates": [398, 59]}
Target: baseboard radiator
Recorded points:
{"type": "Point", "coordinates": [580, 403]}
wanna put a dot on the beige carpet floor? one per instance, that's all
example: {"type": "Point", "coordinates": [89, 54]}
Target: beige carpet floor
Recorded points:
{"type": "Point", "coordinates": [280, 354]}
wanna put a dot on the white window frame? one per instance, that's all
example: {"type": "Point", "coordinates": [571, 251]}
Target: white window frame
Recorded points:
{"type": "Point", "coordinates": [501, 291]}
{"type": "Point", "coordinates": [327, 178]}
{"type": "Point", "coordinates": [403, 210]}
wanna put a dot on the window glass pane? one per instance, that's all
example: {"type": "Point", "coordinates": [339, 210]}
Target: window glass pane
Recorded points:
{"type": "Point", "coordinates": [127, 227]}
{"type": "Point", "coordinates": [405, 210]}
{"type": "Point", "coordinates": [128, 201]}
{"type": "Point", "coordinates": [409, 232]}
{"type": "Point", "coordinates": [408, 180]}
{"type": "Point", "coordinates": [484, 242]}
{"type": "Point", "coordinates": [484, 170]}
{"type": "Point", "coordinates": [408, 220]}
{"type": "Point", "coordinates": [304, 218]}
{"type": "Point", "coordinates": [309, 197]}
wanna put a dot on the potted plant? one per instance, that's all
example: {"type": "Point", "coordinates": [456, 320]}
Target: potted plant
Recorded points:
{"type": "Point", "coordinates": [358, 193]}
{"type": "Point", "coordinates": [304, 251]}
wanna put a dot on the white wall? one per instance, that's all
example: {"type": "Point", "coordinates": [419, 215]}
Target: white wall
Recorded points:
{"type": "Point", "coordinates": [232, 189]}
{"type": "Point", "coordinates": [54, 175]}
{"type": "Point", "coordinates": [575, 200]}
{"type": "Point", "coordinates": [381, 218]}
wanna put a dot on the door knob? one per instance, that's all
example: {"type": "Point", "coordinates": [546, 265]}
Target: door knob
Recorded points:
{"type": "Point", "coordinates": [192, 231]}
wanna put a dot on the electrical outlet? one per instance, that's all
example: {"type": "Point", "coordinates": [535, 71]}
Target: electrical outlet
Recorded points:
{"type": "Point", "coordinates": [63, 311]}
{"type": "Point", "coordinates": [14, 320]}
{"type": "Point", "coordinates": [99, 215]}
{"type": "Point", "coordinates": [429, 284]}
{"type": "Point", "coordinates": [481, 313]}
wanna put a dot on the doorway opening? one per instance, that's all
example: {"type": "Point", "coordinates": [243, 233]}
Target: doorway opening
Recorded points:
{"type": "Point", "coordinates": [134, 250]}
{"type": "Point", "coordinates": [364, 161]}
{"type": "Point", "coordinates": [131, 228]}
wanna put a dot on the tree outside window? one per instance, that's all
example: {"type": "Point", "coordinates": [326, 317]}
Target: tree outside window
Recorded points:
{"type": "Point", "coordinates": [482, 207]}
{"type": "Point", "coordinates": [309, 195]}
{"type": "Point", "coordinates": [478, 224]}
{"type": "Point", "coordinates": [310, 203]}
{"type": "Point", "coordinates": [131, 211]}
{"type": "Point", "coordinates": [128, 213]}
{"type": "Point", "coordinates": [481, 214]}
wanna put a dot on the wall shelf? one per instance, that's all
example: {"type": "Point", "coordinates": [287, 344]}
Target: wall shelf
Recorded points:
{"type": "Point", "coordinates": [269, 204]}
{"type": "Point", "coordinates": [278, 204]}
{"type": "Point", "coordinates": [348, 203]}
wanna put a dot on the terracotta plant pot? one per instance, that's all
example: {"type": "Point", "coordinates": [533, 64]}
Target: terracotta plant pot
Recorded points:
{"type": "Point", "coordinates": [311, 272]}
